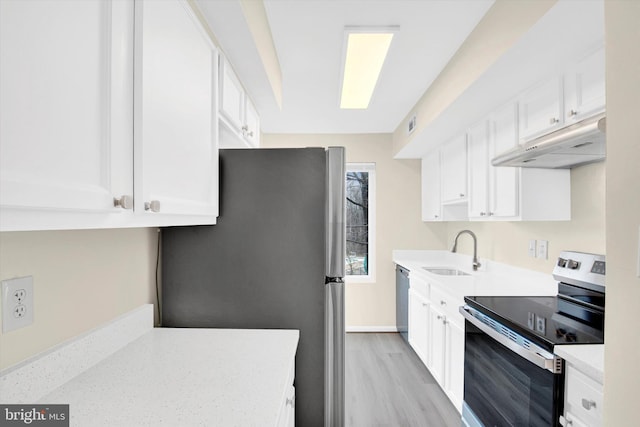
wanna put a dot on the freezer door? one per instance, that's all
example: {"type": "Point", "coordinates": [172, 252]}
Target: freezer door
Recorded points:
{"type": "Point", "coordinates": [335, 212]}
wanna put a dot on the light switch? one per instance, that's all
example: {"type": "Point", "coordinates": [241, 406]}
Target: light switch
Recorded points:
{"type": "Point", "coordinates": [532, 248]}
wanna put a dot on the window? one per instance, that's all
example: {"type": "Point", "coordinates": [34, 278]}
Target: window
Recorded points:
{"type": "Point", "coordinates": [360, 222]}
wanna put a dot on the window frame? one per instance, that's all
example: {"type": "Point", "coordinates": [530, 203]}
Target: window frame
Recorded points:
{"type": "Point", "coordinates": [371, 263]}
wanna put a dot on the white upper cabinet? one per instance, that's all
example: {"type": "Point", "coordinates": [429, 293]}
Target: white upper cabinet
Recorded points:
{"type": "Point", "coordinates": [478, 152]}
{"type": "Point", "coordinates": [454, 170]}
{"type": "Point", "coordinates": [239, 119]}
{"type": "Point", "coordinates": [510, 193]}
{"type": "Point", "coordinates": [431, 201]}
{"type": "Point", "coordinates": [504, 183]}
{"type": "Point", "coordinates": [541, 109]}
{"type": "Point", "coordinates": [66, 79]}
{"type": "Point", "coordinates": [231, 96]}
{"type": "Point", "coordinates": [176, 148]}
{"type": "Point", "coordinates": [71, 153]}
{"type": "Point", "coordinates": [563, 100]}
{"type": "Point", "coordinates": [252, 124]}
{"type": "Point", "coordinates": [585, 87]}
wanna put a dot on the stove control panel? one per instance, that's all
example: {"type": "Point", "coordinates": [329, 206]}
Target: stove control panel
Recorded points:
{"type": "Point", "coordinates": [581, 269]}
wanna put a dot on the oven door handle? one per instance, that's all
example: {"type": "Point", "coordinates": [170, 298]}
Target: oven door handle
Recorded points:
{"type": "Point", "coordinates": [551, 362]}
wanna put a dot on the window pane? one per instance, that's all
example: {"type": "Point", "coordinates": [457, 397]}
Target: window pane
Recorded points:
{"type": "Point", "coordinates": [357, 207]}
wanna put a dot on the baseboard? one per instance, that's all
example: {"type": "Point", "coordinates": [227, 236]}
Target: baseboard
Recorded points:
{"type": "Point", "coordinates": [381, 328]}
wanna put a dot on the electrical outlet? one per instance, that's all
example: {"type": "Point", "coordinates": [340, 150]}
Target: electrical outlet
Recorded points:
{"type": "Point", "coordinates": [532, 248]}
{"type": "Point", "coordinates": [17, 303]}
{"type": "Point", "coordinates": [542, 249]}
{"type": "Point", "coordinates": [541, 324]}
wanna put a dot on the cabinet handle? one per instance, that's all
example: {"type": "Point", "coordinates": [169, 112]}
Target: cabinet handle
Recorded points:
{"type": "Point", "coordinates": [424, 304]}
{"type": "Point", "coordinates": [291, 402]}
{"type": "Point", "coordinates": [153, 206]}
{"type": "Point", "coordinates": [443, 302]}
{"type": "Point", "coordinates": [461, 194]}
{"type": "Point", "coordinates": [124, 202]}
{"type": "Point", "coordinates": [553, 121]}
{"type": "Point", "coordinates": [482, 214]}
{"type": "Point", "coordinates": [439, 317]}
{"type": "Point", "coordinates": [436, 216]}
{"type": "Point", "coordinates": [250, 134]}
{"type": "Point", "coordinates": [490, 213]}
{"type": "Point", "coordinates": [573, 113]}
{"type": "Point", "coordinates": [565, 421]}
{"type": "Point", "coordinates": [245, 128]}
{"type": "Point", "coordinates": [588, 404]}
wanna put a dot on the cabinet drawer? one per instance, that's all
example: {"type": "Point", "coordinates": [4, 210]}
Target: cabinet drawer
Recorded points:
{"type": "Point", "coordinates": [584, 397]}
{"type": "Point", "coordinates": [448, 304]}
{"type": "Point", "coordinates": [420, 286]}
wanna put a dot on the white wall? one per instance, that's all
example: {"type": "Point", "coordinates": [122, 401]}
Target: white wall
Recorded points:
{"type": "Point", "coordinates": [372, 305]}
{"type": "Point", "coordinates": [81, 280]}
{"type": "Point", "coordinates": [622, 354]}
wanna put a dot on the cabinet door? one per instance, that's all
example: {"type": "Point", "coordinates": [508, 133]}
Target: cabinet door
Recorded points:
{"type": "Point", "coordinates": [455, 363]}
{"type": "Point", "coordinates": [418, 324]}
{"type": "Point", "coordinates": [478, 152]}
{"type": "Point", "coordinates": [176, 135]}
{"type": "Point", "coordinates": [437, 345]}
{"type": "Point", "coordinates": [66, 79]}
{"type": "Point", "coordinates": [541, 109]}
{"type": "Point", "coordinates": [231, 96]}
{"type": "Point", "coordinates": [431, 202]}
{"type": "Point", "coordinates": [454, 170]}
{"type": "Point", "coordinates": [585, 86]}
{"type": "Point", "coordinates": [504, 182]}
{"type": "Point", "coordinates": [252, 125]}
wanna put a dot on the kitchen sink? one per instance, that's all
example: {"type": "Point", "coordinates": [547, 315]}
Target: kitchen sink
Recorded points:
{"type": "Point", "coordinates": [444, 271]}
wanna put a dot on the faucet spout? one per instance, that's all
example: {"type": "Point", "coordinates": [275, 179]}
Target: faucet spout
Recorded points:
{"type": "Point", "coordinates": [476, 264]}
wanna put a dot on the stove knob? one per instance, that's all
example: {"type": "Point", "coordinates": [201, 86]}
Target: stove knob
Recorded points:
{"type": "Point", "coordinates": [573, 265]}
{"type": "Point", "coordinates": [562, 262]}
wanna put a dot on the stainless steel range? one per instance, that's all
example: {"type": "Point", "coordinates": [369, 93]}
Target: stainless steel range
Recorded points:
{"type": "Point", "coordinates": [512, 376]}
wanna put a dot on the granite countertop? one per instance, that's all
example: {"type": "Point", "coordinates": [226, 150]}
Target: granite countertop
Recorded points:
{"type": "Point", "coordinates": [493, 278]}
{"type": "Point", "coordinates": [588, 358]}
{"type": "Point", "coordinates": [127, 373]}
{"type": "Point", "coordinates": [185, 377]}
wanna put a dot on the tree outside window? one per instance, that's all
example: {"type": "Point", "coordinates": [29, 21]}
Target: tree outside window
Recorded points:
{"type": "Point", "coordinates": [359, 246]}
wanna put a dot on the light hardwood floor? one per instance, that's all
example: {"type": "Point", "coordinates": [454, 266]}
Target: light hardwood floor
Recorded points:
{"type": "Point", "coordinates": [387, 385]}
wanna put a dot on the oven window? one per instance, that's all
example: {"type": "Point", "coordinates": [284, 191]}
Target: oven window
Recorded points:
{"type": "Point", "coordinates": [504, 389]}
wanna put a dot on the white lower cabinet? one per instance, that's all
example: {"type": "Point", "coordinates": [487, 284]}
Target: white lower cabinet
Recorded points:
{"type": "Point", "coordinates": [583, 399]}
{"type": "Point", "coordinates": [419, 324]}
{"type": "Point", "coordinates": [287, 416]}
{"type": "Point", "coordinates": [436, 333]}
{"type": "Point", "coordinates": [454, 378]}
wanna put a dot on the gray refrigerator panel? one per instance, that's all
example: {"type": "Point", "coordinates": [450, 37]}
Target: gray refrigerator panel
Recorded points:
{"type": "Point", "coordinates": [336, 193]}
{"type": "Point", "coordinates": [263, 264]}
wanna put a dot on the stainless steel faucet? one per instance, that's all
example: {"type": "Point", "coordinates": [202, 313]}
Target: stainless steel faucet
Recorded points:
{"type": "Point", "coordinates": [476, 264]}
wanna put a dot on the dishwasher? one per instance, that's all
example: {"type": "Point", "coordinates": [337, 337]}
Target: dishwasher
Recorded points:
{"type": "Point", "coordinates": [402, 302]}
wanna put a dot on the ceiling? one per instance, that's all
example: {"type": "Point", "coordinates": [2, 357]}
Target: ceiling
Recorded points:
{"type": "Point", "coordinates": [308, 37]}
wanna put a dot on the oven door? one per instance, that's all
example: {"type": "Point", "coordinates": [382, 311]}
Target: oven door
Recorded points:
{"type": "Point", "coordinates": [506, 381]}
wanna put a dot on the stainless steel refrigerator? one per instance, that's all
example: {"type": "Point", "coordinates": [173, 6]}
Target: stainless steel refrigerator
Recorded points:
{"type": "Point", "coordinates": [275, 259]}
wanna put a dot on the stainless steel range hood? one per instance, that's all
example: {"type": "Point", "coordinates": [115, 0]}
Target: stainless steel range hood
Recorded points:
{"type": "Point", "coordinates": [578, 144]}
